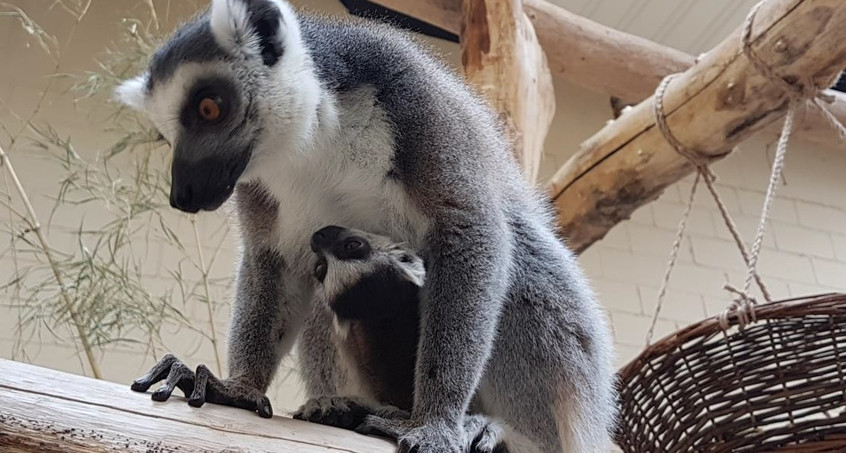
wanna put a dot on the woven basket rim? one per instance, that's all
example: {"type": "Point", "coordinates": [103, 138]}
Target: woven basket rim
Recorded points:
{"type": "Point", "coordinates": [815, 304]}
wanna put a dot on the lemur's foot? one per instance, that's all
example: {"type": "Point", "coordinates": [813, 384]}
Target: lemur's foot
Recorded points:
{"type": "Point", "coordinates": [201, 386]}
{"type": "Point", "coordinates": [484, 435]}
{"type": "Point", "coordinates": [344, 412]}
{"type": "Point", "coordinates": [480, 435]}
{"type": "Point", "coordinates": [412, 437]}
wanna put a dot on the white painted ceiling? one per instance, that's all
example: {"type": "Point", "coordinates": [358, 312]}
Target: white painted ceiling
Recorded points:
{"type": "Point", "coordinates": [693, 26]}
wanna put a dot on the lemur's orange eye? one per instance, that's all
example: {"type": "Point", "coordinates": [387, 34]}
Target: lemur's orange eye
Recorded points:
{"type": "Point", "coordinates": [209, 109]}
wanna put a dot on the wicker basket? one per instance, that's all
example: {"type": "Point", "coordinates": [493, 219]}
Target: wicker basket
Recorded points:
{"type": "Point", "coordinates": [779, 384]}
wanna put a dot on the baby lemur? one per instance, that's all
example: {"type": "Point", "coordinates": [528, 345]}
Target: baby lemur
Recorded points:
{"type": "Point", "coordinates": [371, 285]}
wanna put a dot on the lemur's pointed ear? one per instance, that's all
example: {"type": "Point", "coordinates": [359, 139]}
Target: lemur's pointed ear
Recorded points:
{"type": "Point", "coordinates": [132, 92]}
{"type": "Point", "coordinates": [252, 26]}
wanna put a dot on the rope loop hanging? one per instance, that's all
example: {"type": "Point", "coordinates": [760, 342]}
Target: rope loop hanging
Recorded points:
{"type": "Point", "coordinates": [799, 93]}
{"type": "Point", "coordinates": [738, 380]}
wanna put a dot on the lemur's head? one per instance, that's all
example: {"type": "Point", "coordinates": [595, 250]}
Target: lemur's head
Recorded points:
{"type": "Point", "coordinates": [363, 275]}
{"type": "Point", "coordinates": [218, 87]}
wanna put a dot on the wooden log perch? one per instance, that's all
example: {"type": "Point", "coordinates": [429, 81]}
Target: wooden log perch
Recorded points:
{"type": "Point", "coordinates": [604, 59]}
{"type": "Point", "coordinates": [43, 410]}
{"type": "Point", "coordinates": [502, 57]}
{"type": "Point", "coordinates": [710, 108]}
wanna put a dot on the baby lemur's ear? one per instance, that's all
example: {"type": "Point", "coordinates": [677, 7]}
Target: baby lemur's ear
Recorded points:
{"type": "Point", "coordinates": [412, 268]}
{"type": "Point", "coordinates": [253, 27]}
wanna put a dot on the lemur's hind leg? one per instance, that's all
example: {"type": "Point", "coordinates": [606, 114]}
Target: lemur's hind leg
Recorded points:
{"type": "Point", "coordinates": [318, 359]}
{"type": "Point", "coordinates": [482, 434]}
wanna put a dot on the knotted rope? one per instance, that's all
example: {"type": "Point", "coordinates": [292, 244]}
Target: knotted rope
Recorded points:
{"type": "Point", "coordinates": [743, 305]}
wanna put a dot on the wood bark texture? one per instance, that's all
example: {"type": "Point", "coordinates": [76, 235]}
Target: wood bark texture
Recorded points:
{"type": "Point", "coordinates": [503, 59]}
{"type": "Point", "coordinates": [43, 410]}
{"type": "Point", "coordinates": [604, 59]}
{"type": "Point", "coordinates": [710, 108]}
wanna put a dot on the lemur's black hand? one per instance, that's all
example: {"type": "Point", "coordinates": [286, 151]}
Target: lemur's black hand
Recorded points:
{"type": "Point", "coordinates": [173, 372]}
{"type": "Point", "coordinates": [201, 386]}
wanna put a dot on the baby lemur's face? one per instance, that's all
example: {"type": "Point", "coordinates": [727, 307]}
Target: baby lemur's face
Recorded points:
{"type": "Point", "coordinates": [352, 264]}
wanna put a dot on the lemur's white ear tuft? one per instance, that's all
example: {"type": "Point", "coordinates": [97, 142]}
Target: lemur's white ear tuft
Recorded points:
{"type": "Point", "coordinates": [133, 92]}
{"type": "Point", "coordinates": [256, 27]}
{"type": "Point", "coordinates": [230, 22]}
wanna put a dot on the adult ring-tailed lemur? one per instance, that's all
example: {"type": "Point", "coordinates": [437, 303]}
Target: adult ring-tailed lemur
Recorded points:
{"type": "Point", "coordinates": [311, 121]}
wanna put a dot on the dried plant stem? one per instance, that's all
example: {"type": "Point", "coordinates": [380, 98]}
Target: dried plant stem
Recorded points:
{"type": "Point", "coordinates": [205, 273]}
{"type": "Point", "coordinates": [45, 248]}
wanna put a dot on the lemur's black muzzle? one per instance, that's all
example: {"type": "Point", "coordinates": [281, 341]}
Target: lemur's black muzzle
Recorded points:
{"type": "Point", "coordinates": [203, 184]}
{"type": "Point", "coordinates": [325, 238]}
{"type": "Point", "coordinates": [322, 241]}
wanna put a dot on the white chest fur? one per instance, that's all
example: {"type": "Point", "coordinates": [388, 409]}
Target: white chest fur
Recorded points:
{"type": "Point", "coordinates": [340, 180]}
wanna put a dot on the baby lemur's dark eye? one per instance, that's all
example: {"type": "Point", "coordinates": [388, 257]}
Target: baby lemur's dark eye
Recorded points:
{"type": "Point", "coordinates": [352, 244]}
{"type": "Point", "coordinates": [405, 259]}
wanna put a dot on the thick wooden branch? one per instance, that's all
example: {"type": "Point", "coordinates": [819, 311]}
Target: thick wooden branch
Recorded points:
{"type": "Point", "coordinates": [501, 56]}
{"type": "Point", "coordinates": [601, 58]}
{"type": "Point", "coordinates": [710, 108]}
{"type": "Point", "coordinates": [43, 410]}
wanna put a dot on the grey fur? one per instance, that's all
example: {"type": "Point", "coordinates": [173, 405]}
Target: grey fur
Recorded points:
{"type": "Point", "coordinates": [373, 292]}
{"type": "Point", "coordinates": [506, 312]}
{"type": "Point", "coordinates": [191, 43]}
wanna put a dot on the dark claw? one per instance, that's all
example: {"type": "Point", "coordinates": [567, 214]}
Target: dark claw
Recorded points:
{"type": "Point", "coordinates": [201, 379]}
{"type": "Point", "coordinates": [162, 394]}
{"type": "Point", "coordinates": [264, 408]}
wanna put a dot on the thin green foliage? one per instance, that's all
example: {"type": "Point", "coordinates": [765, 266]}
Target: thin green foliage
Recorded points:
{"type": "Point", "coordinates": [103, 286]}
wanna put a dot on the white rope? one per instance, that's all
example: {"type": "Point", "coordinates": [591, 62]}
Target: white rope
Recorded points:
{"type": "Point", "coordinates": [704, 173]}
{"type": "Point", "coordinates": [800, 93]}
{"type": "Point", "coordinates": [775, 176]}
{"type": "Point", "coordinates": [743, 306]}
{"type": "Point", "coordinates": [671, 264]}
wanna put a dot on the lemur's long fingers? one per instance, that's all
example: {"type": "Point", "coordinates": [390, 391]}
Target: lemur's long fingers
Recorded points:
{"type": "Point", "coordinates": [201, 379]}
{"type": "Point", "coordinates": [179, 375]}
{"type": "Point", "coordinates": [159, 372]}
{"type": "Point", "coordinates": [228, 392]}
{"type": "Point", "coordinates": [392, 412]}
{"type": "Point", "coordinates": [375, 425]}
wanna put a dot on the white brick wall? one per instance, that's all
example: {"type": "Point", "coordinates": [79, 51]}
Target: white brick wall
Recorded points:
{"type": "Point", "coordinates": [804, 251]}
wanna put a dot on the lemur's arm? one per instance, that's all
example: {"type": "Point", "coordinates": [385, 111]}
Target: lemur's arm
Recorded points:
{"type": "Point", "coordinates": [266, 318]}
{"type": "Point", "coordinates": [265, 322]}
{"type": "Point", "coordinates": [460, 308]}
{"type": "Point", "coordinates": [454, 165]}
